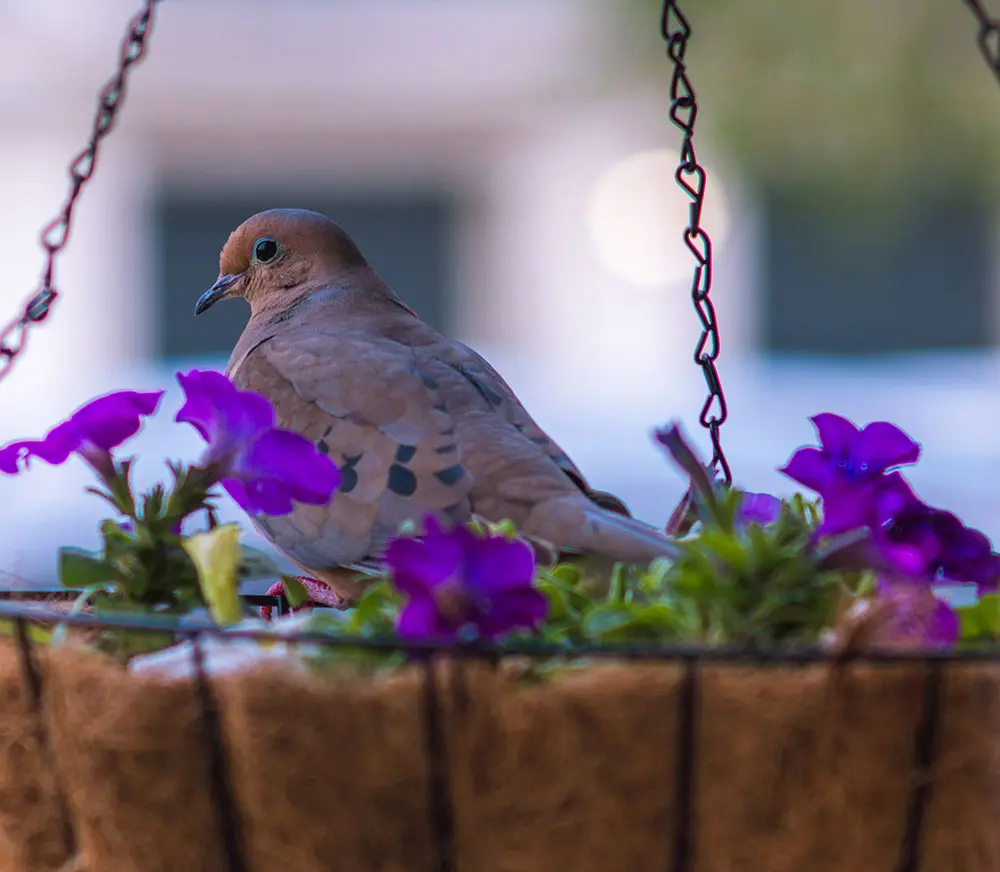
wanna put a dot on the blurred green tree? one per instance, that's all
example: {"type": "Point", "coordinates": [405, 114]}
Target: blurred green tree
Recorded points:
{"type": "Point", "coordinates": [842, 100]}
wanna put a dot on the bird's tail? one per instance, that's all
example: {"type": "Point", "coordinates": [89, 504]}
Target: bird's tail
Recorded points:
{"type": "Point", "coordinates": [574, 524]}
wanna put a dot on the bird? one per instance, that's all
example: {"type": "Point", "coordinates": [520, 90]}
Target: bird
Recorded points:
{"type": "Point", "coordinates": [418, 423]}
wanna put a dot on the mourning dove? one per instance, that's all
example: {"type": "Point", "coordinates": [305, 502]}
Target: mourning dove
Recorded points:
{"type": "Point", "coordinates": [418, 423]}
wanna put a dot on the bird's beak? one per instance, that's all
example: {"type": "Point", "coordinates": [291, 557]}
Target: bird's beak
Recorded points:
{"type": "Point", "coordinates": [218, 291]}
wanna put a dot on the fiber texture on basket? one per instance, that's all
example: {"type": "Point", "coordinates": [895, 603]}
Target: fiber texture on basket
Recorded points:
{"type": "Point", "coordinates": [329, 773]}
{"type": "Point", "coordinates": [31, 835]}
{"type": "Point", "coordinates": [132, 760]}
{"type": "Point", "coordinates": [961, 826]}
{"type": "Point", "coordinates": [805, 767]}
{"type": "Point", "coordinates": [825, 767]}
{"type": "Point", "coordinates": [575, 773]}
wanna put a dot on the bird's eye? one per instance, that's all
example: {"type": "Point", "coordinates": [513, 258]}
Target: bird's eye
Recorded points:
{"type": "Point", "coordinates": [265, 249]}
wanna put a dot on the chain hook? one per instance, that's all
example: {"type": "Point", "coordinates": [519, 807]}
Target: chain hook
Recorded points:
{"type": "Point", "coordinates": [55, 234]}
{"type": "Point", "coordinates": [690, 176]}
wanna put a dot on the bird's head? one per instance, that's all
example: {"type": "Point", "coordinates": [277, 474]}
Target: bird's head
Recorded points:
{"type": "Point", "coordinates": [277, 257]}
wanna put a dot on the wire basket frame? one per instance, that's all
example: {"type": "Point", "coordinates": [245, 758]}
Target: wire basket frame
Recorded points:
{"type": "Point", "coordinates": [691, 658]}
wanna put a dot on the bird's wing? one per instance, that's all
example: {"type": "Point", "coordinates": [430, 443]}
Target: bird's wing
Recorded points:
{"type": "Point", "coordinates": [381, 417]}
{"type": "Point", "coordinates": [495, 390]}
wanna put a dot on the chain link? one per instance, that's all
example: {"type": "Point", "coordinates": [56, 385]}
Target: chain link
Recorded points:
{"type": "Point", "coordinates": [989, 35]}
{"type": "Point", "coordinates": [690, 175]}
{"type": "Point", "coordinates": [55, 235]}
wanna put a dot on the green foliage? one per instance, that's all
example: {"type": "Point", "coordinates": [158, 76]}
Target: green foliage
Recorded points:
{"type": "Point", "coordinates": [849, 100]}
{"type": "Point", "coordinates": [295, 593]}
{"type": "Point", "coordinates": [755, 586]}
{"type": "Point", "coordinates": [980, 622]}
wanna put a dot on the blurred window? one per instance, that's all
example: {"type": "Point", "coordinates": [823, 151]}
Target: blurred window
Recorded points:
{"type": "Point", "coordinates": [920, 277]}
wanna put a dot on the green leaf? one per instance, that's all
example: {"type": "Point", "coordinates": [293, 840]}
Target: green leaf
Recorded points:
{"type": "Point", "coordinates": [558, 600]}
{"type": "Point", "coordinates": [79, 569]}
{"type": "Point", "coordinates": [605, 620]}
{"type": "Point", "coordinates": [727, 547]}
{"type": "Point", "coordinates": [980, 621]}
{"type": "Point", "coordinates": [565, 573]}
{"type": "Point", "coordinates": [683, 455]}
{"type": "Point", "coordinates": [618, 590]}
{"type": "Point", "coordinates": [376, 611]}
{"type": "Point", "coordinates": [295, 593]}
{"type": "Point", "coordinates": [35, 633]}
{"type": "Point", "coordinates": [661, 617]}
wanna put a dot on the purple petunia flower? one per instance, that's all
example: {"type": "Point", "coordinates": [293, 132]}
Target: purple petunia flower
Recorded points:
{"type": "Point", "coordinates": [262, 467]}
{"type": "Point", "coordinates": [848, 470]}
{"type": "Point", "coordinates": [915, 617]}
{"type": "Point", "coordinates": [922, 541]}
{"type": "Point", "coordinates": [91, 431]}
{"type": "Point", "coordinates": [457, 581]}
{"type": "Point", "coordinates": [760, 509]}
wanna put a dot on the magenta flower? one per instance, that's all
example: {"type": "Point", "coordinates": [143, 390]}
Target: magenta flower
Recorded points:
{"type": "Point", "coordinates": [91, 431]}
{"type": "Point", "coordinates": [916, 618]}
{"type": "Point", "coordinates": [921, 541]}
{"type": "Point", "coordinates": [760, 509]}
{"type": "Point", "coordinates": [849, 470]}
{"type": "Point", "coordinates": [456, 581]}
{"type": "Point", "coordinates": [262, 467]}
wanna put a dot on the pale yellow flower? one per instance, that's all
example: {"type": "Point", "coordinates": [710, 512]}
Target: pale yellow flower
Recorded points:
{"type": "Point", "coordinates": [216, 556]}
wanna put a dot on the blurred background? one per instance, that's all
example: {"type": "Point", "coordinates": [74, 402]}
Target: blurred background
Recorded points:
{"type": "Point", "coordinates": [508, 166]}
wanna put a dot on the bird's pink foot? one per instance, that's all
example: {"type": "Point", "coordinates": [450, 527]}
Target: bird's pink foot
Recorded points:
{"type": "Point", "coordinates": [318, 594]}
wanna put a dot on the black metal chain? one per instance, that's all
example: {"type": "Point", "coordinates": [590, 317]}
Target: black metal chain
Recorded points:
{"type": "Point", "coordinates": [690, 176]}
{"type": "Point", "coordinates": [989, 35]}
{"type": "Point", "coordinates": [55, 235]}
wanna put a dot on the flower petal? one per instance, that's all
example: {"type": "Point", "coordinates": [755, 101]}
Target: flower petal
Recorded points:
{"type": "Point", "coordinates": [494, 564]}
{"type": "Point", "coordinates": [836, 434]}
{"type": "Point", "coordinates": [811, 468]}
{"type": "Point", "coordinates": [266, 497]}
{"type": "Point", "coordinates": [238, 492]}
{"type": "Point", "coordinates": [909, 561]}
{"type": "Point", "coordinates": [222, 414]}
{"type": "Point", "coordinates": [418, 566]}
{"type": "Point", "coordinates": [512, 610]}
{"type": "Point", "coordinates": [987, 579]}
{"type": "Point", "coordinates": [846, 508]}
{"type": "Point", "coordinates": [421, 620]}
{"type": "Point", "coordinates": [109, 420]}
{"type": "Point", "coordinates": [99, 425]}
{"type": "Point", "coordinates": [760, 509]}
{"type": "Point", "coordinates": [892, 497]}
{"type": "Point", "coordinates": [290, 461]}
{"type": "Point", "coordinates": [881, 446]}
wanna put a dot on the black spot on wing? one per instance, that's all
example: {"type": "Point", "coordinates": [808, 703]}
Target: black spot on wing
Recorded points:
{"type": "Point", "coordinates": [323, 447]}
{"type": "Point", "coordinates": [402, 481]}
{"type": "Point", "coordinates": [450, 475]}
{"type": "Point", "coordinates": [348, 475]}
{"type": "Point", "coordinates": [404, 454]}
{"type": "Point", "coordinates": [429, 383]}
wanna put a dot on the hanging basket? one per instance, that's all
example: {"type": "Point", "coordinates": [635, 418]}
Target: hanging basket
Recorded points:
{"type": "Point", "coordinates": [679, 762]}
